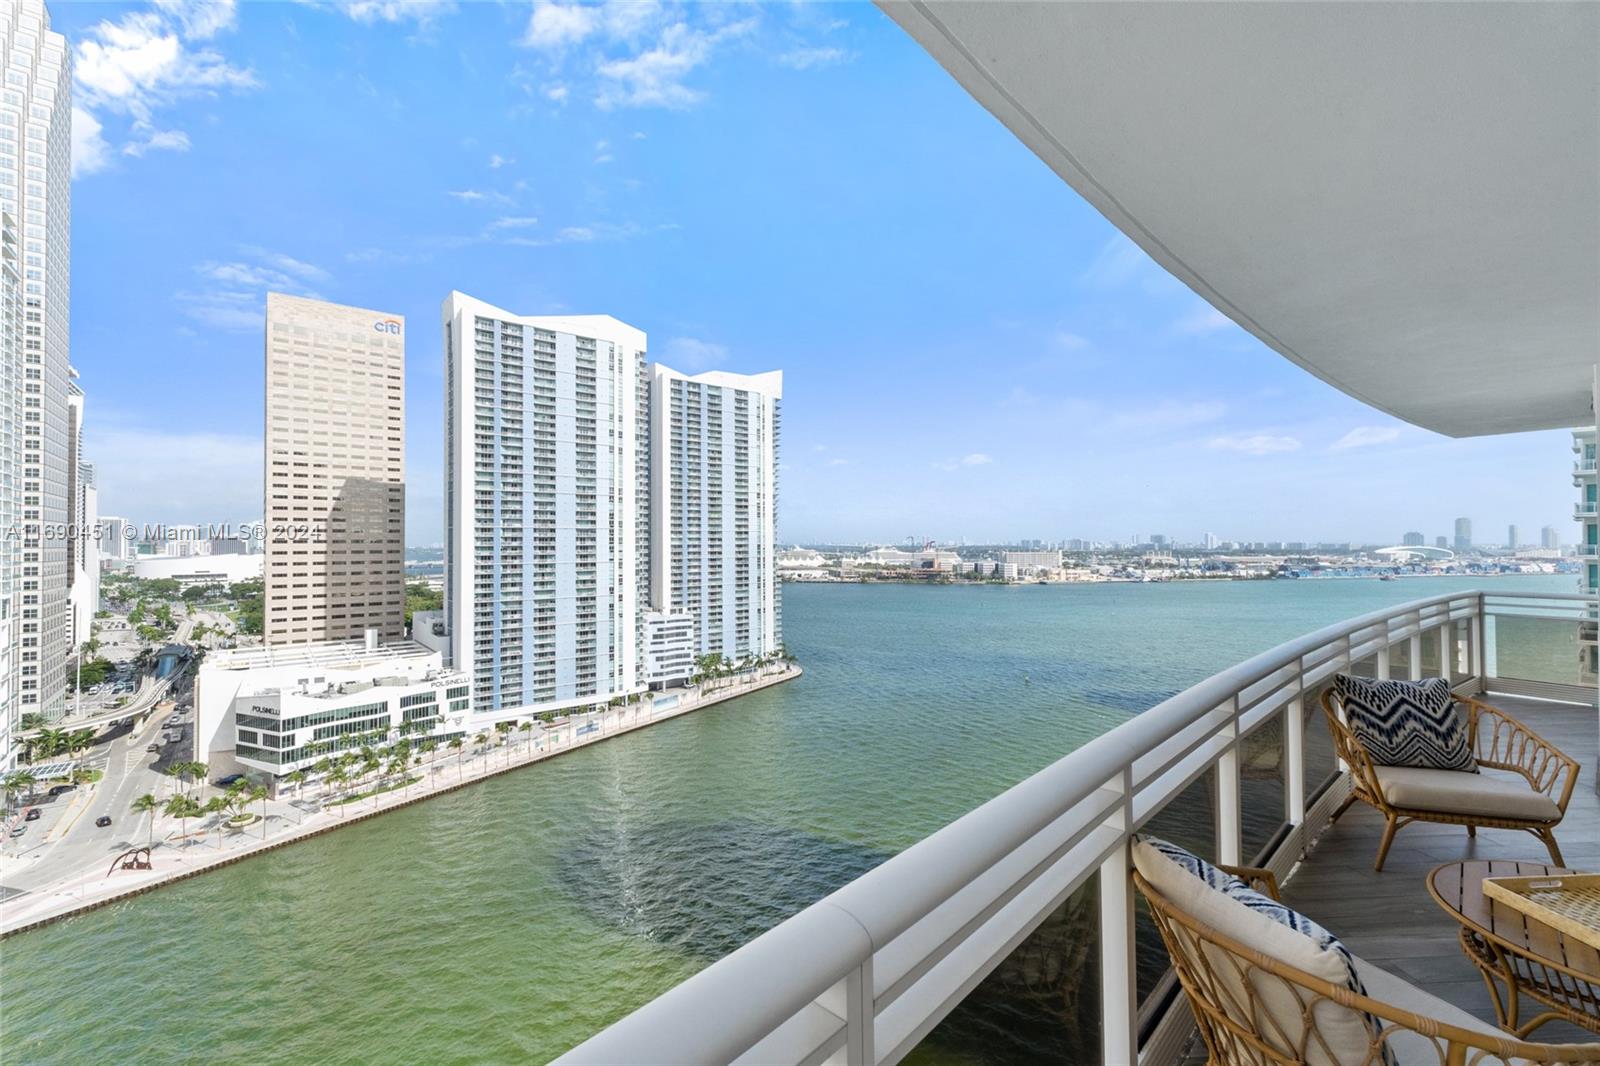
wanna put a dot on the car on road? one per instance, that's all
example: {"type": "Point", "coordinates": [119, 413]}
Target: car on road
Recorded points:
{"type": "Point", "coordinates": [103, 821]}
{"type": "Point", "coordinates": [32, 815]}
{"type": "Point", "coordinates": [62, 790]}
{"type": "Point", "coordinates": [19, 830]}
{"type": "Point", "coordinates": [224, 782]}
{"type": "Point", "coordinates": [152, 747]}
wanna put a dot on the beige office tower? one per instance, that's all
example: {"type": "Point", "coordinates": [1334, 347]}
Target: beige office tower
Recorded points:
{"type": "Point", "coordinates": [335, 472]}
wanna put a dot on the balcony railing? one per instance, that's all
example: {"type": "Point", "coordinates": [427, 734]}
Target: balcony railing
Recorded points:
{"type": "Point", "coordinates": [1584, 509]}
{"type": "Point", "coordinates": [863, 975]}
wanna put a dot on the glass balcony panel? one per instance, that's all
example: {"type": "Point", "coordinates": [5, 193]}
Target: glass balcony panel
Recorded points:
{"type": "Point", "coordinates": [1261, 783]}
{"type": "Point", "coordinates": [1041, 1004]}
{"type": "Point", "coordinates": [1189, 821]}
{"type": "Point", "coordinates": [1531, 648]}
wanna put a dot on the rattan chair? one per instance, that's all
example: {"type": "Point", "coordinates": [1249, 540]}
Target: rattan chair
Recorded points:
{"type": "Point", "coordinates": [1253, 1010]}
{"type": "Point", "coordinates": [1499, 741]}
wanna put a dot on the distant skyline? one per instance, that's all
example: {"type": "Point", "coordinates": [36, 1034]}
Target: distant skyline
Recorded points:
{"type": "Point", "coordinates": [970, 351]}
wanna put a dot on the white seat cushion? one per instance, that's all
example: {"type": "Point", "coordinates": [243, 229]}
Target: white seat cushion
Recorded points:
{"type": "Point", "coordinates": [1414, 1049]}
{"type": "Point", "coordinates": [1260, 1002]}
{"type": "Point", "coordinates": [1455, 792]}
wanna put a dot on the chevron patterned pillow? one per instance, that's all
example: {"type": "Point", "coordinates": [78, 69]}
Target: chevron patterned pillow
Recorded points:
{"type": "Point", "coordinates": [1406, 723]}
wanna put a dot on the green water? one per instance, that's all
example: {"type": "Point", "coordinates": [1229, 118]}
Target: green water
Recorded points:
{"type": "Point", "coordinates": [510, 920]}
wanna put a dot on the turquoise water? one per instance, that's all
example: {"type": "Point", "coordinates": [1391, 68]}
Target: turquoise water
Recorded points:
{"type": "Point", "coordinates": [512, 919]}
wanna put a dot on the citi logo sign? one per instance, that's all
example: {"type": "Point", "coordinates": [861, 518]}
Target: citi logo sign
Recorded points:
{"type": "Point", "coordinates": [388, 325]}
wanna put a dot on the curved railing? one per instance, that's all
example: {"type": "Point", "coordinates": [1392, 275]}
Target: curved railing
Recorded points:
{"type": "Point", "coordinates": [864, 974]}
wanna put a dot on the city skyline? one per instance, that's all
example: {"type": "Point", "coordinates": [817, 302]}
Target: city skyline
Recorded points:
{"type": "Point", "coordinates": [1078, 388]}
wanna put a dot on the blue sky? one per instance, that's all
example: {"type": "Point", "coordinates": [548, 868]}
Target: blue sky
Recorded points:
{"type": "Point", "coordinates": [969, 349]}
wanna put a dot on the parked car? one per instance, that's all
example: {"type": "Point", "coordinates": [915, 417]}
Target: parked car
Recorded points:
{"type": "Point", "coordinates": [225, 781]}
{"type": "Point", "coordinates": [103, 821]}
{"type": "Point", "coordinates": [152, 747]}
{"type": "Point", "coordinates": [62, 790]}
{"type": "Point", "coordinates": [32, 815]}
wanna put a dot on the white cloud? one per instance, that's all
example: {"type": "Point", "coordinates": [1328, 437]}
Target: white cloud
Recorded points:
{"type": "Point", "coordinates": [557, 93]}
{"type": "Point", "coordinates": [1071, 341]}
{"type": "Point", "coordinates": [146, 61]}
{"type": "Point", "coordinates": [691, 354]}
{"type": "Point", "coordinates": [838, 462]}
{"type": "Point", "coordinates": [514, 222]}
{"type": "Point", "coordinates": [1203, 320]}
{"type": "Point", "coordinates": [969, 460]}
{"type": "Point", "coordinates": [476, 196]}
{"type": "Point", "coordinates": [654, 78]}
{"type": "Point", "coordinates": [554, 26]}
{"type": "Point", "coordinates": [232, 295]}
{"type": "Point", "coordinates": [421, 12]}
{"type": "Point", "coordinates": [1365, 436]}
{"type": "Point", "coordinates": [90, 152]}
{"type": "Point", "coordinates": [807, 58]}
{"type": "Point", "coordinates": [602, 152]}
{"type": "Point", "coordinates": [1254, 444]}
{"type": "Point", "coordinates": [496, 161]}
{"type": "Point", "coordinates": [158, 140]}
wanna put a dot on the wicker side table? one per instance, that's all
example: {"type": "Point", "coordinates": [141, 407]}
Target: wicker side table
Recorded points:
{"type": "Point", "coordinates": [1517, 954]}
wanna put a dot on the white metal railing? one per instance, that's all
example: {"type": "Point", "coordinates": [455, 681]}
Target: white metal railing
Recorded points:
{"type": "Point", "coordinates": [864, 974]}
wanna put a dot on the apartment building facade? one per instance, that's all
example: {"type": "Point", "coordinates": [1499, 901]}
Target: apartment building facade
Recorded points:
{"type": "Point", "coordinates": [713, 507]}
{"type": "Point", "coordinates": [546, 506]}
{"type": "Point", "coordinates": [35, 198]}
{"type": "Point", "coordinates": [334, 551]}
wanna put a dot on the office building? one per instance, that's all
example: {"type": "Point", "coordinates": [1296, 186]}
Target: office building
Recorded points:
{"type": "Point", "coordinates": [335, 472]}
{"type": "Point", "coordinates": [1441, 542]}
{"type": "Point", "coordinates": [115, 542]}
{"type": "Point", "coordinates": [1413, 540]}
{"type": "Point", "coordinates": [1511, 538]}
{"type": "Point", "coordinates": [1209, 541]}
{"type": "Point", "coordinates": [713, 507]}
{"type": "Point", "coordinates": [1463, 535]}
{"type": "Point", "coordinates": [269, 711]}
{"type": "Point", "coordinates": [546, 506]}
{"type": "Point", "coordinates": [35, 197]}
{"type": "Point", "coordinates": [1549, 539]}
{"type": "Point", "coordinates": [83, 520]}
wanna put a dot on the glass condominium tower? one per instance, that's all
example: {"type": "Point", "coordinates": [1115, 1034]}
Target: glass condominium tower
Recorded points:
{"type": "Point", "coordinates": [546, 506]}
{"type": "Point", "coordinates": [714, 507]}
{"type": "Point", "coordinates": [36, 204]}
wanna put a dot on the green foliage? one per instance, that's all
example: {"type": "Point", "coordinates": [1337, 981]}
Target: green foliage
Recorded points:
{"type": "Point", "coordinates": [93, 673]}
{"type": "Point", "coordinates": [420, 597]}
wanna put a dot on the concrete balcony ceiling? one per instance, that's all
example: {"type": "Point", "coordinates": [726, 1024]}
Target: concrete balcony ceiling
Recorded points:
{"type": "Point", "coordinates": [1403, 199]}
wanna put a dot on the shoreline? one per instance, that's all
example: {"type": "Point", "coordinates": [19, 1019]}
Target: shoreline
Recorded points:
{"type": "Point", "coordinates": [926, 583]}
{"type": "Point", "coordinates": [79, 895]}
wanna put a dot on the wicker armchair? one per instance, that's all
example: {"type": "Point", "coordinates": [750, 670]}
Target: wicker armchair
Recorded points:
{"type": "Point", "coordinates": [1500, 742]}
{"type": "Point", "coordinates": [1253, 1010]}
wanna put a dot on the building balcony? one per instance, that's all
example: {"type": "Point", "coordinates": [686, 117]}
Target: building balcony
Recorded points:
{"type": "Point", "coordinates": [1245, 761]}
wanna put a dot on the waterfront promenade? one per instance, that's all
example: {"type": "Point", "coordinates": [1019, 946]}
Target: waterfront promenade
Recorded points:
{"type": "Point", "coordinates": [177, 855]}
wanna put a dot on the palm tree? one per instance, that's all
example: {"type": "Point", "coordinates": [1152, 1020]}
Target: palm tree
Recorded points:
{"type": "Point", "coordinates": [428, 748]}
{"type": "Point", "coordinates": [148, 804]}
{"type": "Point", "coordinates": [504, 729]}
{"type": "Point", "coordinates": [296, 779]}
{"type": "Point", "coordinates": [182, 808]}
{"type": "Point", "coordinates": [455, 746]}
{"type": "Point", "coordinates": [216, 805]}
{"type": "Point", "coordinates": [19, 781]}
{"type": "Point", "coordinates": [527, 735]}
{"type": "Point", "coordinates": [337, 776]}
{"type": "Point", "coordinates": [178, 771]}
{"type": "Point", "coordinates": [260, 793]}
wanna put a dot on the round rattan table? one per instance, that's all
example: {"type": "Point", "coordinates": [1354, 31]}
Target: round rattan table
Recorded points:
{"type": "Point", "coordinates": [1517, 954]}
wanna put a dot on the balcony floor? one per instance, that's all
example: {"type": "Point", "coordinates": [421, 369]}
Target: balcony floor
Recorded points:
{"type": "Point", "coordinates": [1389, 919]}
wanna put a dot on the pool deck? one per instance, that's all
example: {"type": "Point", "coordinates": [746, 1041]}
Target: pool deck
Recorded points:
{"type": "Point", "coordinates": [1390, 919]}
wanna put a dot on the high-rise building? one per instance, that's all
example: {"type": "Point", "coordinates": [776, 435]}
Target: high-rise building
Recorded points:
{"type": "Point", "coordinates": [11, 371]}
{"type": "Point", "coordinates": [1463, 534]}
{"type": "Point", "coordinates": [713, 507]}
{"type": "Point", "coordinates": [335, 472]}
{"type": "Point", "coordinates": [1413, 540]}
{"type": "Point", "coordinates": [1511, 537]}
{"type": "Point", "coordinates": [1441, 542]}
{"type": "Point", "coordinates": [83, 516]}
{"type": "Point", "coordinates": [1587, 512]}
{"type": "Point", "coordinates": [1209, 541]}
{"type": "Point", "coordinates": [546, 506]}
{"type": "Point", "coordinates": [36, 201]}
{"type": "Point", "coordinates": [1549, 539]}
{"type": "Point", "coordinates": [115, 542]}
